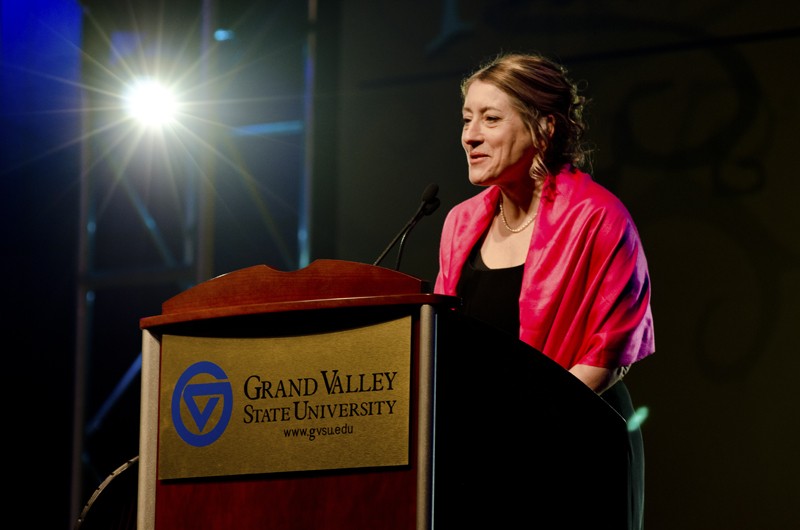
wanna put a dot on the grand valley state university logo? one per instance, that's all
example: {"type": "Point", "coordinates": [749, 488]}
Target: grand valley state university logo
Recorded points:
{"type": "Point", "coordinates": [323, 401]}
{"type": "Point", "coordinates": [201, 401]}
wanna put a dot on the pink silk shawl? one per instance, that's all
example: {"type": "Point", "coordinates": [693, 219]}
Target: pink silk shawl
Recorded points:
{"type": "Point", "coordinates": [585, 295]}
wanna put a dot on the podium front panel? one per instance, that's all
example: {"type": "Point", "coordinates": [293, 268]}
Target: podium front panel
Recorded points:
{"type": "Point", "coordinates": [364, 372]}
{"type": "Point", "coordinates": [255, 405]}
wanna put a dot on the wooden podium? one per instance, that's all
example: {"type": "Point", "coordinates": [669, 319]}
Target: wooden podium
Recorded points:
{"type": "Point", "coordinates": [346, 396]}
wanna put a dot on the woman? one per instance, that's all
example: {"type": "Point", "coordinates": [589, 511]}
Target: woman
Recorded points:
{"type": "Point", "coordinates": [545, 252]}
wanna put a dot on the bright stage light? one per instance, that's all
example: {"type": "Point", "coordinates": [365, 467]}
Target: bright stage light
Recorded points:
{"type": "Point", "coordinates": [151, 103]}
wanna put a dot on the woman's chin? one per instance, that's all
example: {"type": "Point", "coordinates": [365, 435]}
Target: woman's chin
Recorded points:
{"type": "Point", "coordinates": [480, 179]}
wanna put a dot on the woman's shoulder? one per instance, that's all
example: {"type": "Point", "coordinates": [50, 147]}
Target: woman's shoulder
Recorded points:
{"type": "Point", "coordinates": [477, 203]}
{"type": "Point", "coordinates": [578, 189]}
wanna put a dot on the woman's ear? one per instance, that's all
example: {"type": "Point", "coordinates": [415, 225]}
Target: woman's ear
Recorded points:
{"type": "Point", "coordinates": [550, 125]}
{"type": "Point", "coordinates": [547, 126]}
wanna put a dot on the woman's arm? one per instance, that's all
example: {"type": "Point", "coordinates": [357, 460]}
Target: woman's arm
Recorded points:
{"type": "Point", "coordinates": [596, 378]}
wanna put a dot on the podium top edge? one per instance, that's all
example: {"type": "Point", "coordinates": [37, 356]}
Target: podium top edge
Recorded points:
{"type": "Point", "coordinates": [322, 284]}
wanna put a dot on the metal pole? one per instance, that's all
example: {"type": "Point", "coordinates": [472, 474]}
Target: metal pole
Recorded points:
{"type": "Point", "coordinates": [304, 211]}
{"type": "Point", "coordinates": [205, 188]}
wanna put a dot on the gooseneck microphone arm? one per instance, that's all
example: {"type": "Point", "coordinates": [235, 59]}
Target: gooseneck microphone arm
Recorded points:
{"type": "Point", "coordinates": [427, 209]}
{"type": "Point", "coordinates": [428, 205]}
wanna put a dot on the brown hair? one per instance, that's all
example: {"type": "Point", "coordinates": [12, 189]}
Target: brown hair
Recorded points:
{"type": "Point", "coordinates": [540, 89]}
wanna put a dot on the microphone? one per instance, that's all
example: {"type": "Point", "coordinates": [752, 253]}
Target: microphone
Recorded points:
{"type": "Point", "coordinates": [430, 202]}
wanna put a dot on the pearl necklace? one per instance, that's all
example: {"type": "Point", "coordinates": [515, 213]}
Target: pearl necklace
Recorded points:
{"type": "Point", "coordinates": [521, 227]}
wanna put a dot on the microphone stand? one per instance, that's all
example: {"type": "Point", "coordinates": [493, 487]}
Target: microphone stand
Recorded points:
{"type": "Point", "coordinates": [429, 204]}
{"type": "Point", "coordinates": [427, 209]}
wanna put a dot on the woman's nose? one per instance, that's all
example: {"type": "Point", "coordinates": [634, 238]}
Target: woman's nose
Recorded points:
{"type": "Point", "coordinates": [471, 133]}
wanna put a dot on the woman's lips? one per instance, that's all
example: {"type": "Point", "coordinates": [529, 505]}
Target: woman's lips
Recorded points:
{"type": "Point", "coordinates": [476, 157]}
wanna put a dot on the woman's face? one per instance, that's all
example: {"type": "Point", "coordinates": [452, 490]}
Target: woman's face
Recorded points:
{"type": "Point", "coordinates": [498, 144]}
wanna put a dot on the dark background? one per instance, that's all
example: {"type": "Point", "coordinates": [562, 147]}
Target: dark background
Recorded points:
{"type": "Point", "coordinates": [694, 120]}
